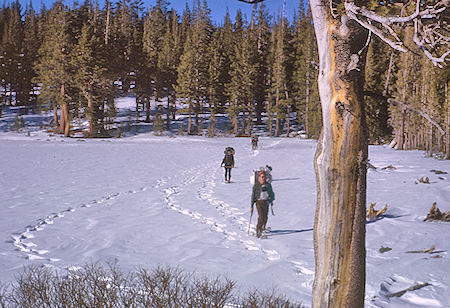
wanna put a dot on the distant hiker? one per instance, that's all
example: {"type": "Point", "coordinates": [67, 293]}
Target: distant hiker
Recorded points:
{"type": "Point", "coordinates": [262, 195]}
{"type": "Point", "coordinates": [255, 142]}
{"type": "Point", "coordinates": [228, 163]}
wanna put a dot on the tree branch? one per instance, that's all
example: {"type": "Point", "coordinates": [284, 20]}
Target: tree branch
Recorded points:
{"type": "Point", "coordinates": [426, 14]}
{"type": "Point", "coordinates": [406, 107]}
{"type": "Point", "coordinates": [419, 112]}
{"type": "Point", "coordinates": [251, 1]}
{"type": "Point", "coordinates": [396, 45]}
{"type": "Point", "coordinates": [428, 23]}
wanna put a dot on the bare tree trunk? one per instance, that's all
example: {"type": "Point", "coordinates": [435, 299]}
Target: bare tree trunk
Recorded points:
{"type": "Point", "coordinates": [430, 142]}
{"type": "Point", "coordinates": [243, 122]}
{"type": "Point", "coordinates": [174, 108]}
{"type": "Point", "coordinates": [388, 75]}
{"type": "Point", "coordinates": [65, 119]}
{"type": "Point", "coordinates": [277, 103]}
{"type": "Point", "coordinates": [340, 163]}
{"type": "Point", "coordinates": [102, 119]}
{"type": "Point", "coordinates": [447, 142]}
{"type": "Point", "coordinates": [307, 100]}
{"type": "Point", "coordinates": [108, 12]}
{"type": "Point", "coordinates": [138, 99]}
{"type": "Point", "coordinates": [401, 135]}
{"type": "Point", "coordinates": [90, 114]}
{"type": "Point", "coordinates": [55, 115]}
{"type": "Point", "coordinates": [64, 123]}
{"type": "Point", "coordinates": [288, 119]}
{"type": "Point", "coordinates": [168, 113]}
{"type": "Point", "coordinates": [236, 124]}
{"type": "Point", "coordinates": [189, 128]}
{"type": "Point", "coordinates": [147, 110]}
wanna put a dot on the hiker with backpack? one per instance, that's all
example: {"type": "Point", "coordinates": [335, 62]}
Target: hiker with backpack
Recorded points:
{"type": "Point", "coordinates": [255, 142]}
{"type": "Point", "coordinates": [262, 196]}
{"type": "Point", "coordinates": [228, 163]}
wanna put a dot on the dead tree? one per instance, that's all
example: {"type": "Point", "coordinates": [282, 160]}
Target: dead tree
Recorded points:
{"type": "Point", "coordinates": [342, 30]}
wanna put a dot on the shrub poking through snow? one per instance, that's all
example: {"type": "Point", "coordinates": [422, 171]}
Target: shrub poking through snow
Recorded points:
{"type": "Point", "coordinates": [96, 286]}
{"type": "Point", "coordinates": [372, 213]}
{"type": "Point", "coordinates": [436, 214]}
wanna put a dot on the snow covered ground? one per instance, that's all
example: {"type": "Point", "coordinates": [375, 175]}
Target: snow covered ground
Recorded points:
{"type": "Point", "coordinates": [146, 200]}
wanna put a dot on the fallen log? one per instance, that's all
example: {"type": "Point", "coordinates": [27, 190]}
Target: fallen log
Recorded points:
{"type": "Point", "coordinates": [412, 288]}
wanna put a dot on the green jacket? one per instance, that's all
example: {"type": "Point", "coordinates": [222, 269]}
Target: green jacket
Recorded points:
{"type": "Point", "coordinates": [257, 192]}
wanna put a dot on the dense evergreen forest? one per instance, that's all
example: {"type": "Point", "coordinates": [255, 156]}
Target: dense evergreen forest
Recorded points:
{"type": "Point", "coordinates": [259, 69]}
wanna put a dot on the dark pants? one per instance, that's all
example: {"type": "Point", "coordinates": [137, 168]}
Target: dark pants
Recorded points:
{"type": "Point", "coordinates": [227, 171]}
{"type": "Point", "coordinates": [263, 210]}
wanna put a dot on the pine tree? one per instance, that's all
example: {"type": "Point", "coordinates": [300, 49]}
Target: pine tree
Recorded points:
{"type": "Point", "coordinates": [53, 66]}
{"type": "Point", "coordinates": [193, 79]}
{"type": "Point", "coordinates": [125, 19]}
{"type": "Point", "coordinates": [241, 88]}
{"type": "Point", "coordinates": [186, 79]}
{"type": "Point", "coordinates": [11, 50]}
{"type": "Point", "coordinates": [168, 61]}
{"type": "Point", "coordinates": [377, 65]}
{"type": "Point", "coordinates": [88, 77]}
{"type": "Point", "coordinates": [30, 49]}
{"type": "Point", "coordinates": [279, 73]}
{"type": "Point", "coordinates": [154, 29]}
{"type": "Point", "coordinates": [261, 31]}
{"type": "Point", "coordinates": [304, 80]}
{"type": "Point", "coordinates": [217, 78]}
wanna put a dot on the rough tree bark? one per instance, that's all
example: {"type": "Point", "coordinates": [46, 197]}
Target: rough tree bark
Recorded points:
{"type": "Point", "coordinates": [340, 162]}
{"type": "Point", "coordinates": [64, 125]}
{"type": "Point", "coordinates": [341, 156]}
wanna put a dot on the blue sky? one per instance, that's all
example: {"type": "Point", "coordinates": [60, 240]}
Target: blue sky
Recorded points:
{"type": "Point", "coordinates": [218, 7]}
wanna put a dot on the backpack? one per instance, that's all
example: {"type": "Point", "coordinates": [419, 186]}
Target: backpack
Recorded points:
{"type": "Point", "coordinates": [254, 175]}
{"type": "Point", "coordinates": [228, 149]}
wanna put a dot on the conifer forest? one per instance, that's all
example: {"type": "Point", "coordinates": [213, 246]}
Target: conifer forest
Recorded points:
{"type": "Point", "coordinates": [254, 70]}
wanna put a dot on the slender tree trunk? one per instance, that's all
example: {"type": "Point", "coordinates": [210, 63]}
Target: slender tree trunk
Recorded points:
{"type": "Point", "coordinates": [64, 123]}
{"type": "Point", "coordinates": [138, 100]}
{"type": "Point", "coordinates": [340, 163]}
{"type": "Point", "coordinates": [243, 122]}
{"type": "Point", "coordinates": [277, 103]}
{"type": "Point", "coordinates": [168, 113]}
{"type": "Point", "coordinates": [55, 115]}
{"type": "Point", "coordinates": [189, 119]}
{"type": "Point", "coordinates": [388, 75]}
{"type": "Point", "coordinates": [447, 133]}
{"type": "Point", "coordinates": [401, 135]}
{"type": "Point", "coordinates": [269, 115]}
{"type": "Point", "coordinates": [102, 116]}
{"type": "Point", "coordinates": [174, 108]}
{"type": "Point", "coordinates": [307, 100]}
{"type": "Point", "coordinates": [90, 114]}
{"type": "Point", "coordinates": [108, 11]}
{"type": "Point", "coordinates": [65, 119]}
{"type": "Point", "coordinates": [147, 110]}
{"type": "Point", "coordinates": [430, 142]}
{"type": "Point", "coordinates": [288, 112]}
{"type": "Point", "coordinates": [250, 122]}
{"type": "Point", "coordinates": [236, 124]}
